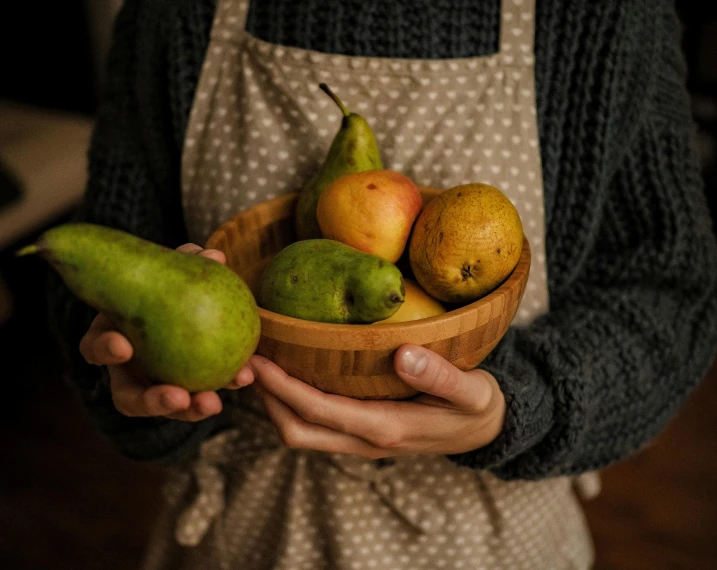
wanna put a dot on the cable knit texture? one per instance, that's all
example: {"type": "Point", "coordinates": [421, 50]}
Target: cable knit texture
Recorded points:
{"type": "Point", "coordinates": [631, 256]}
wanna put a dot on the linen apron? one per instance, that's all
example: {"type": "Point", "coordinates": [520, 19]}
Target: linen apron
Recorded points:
{"type": "Point", "coordinates": [261, 127]}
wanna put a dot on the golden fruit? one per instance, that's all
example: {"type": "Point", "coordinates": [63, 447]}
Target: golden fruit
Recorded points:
{"type": "Point", "coordinates": [417, 304]}
{"type": "Point", "coordinates": [465, 243]}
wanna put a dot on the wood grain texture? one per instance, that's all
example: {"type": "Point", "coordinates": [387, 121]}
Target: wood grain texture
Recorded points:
{"type": "Point", "coordinates": [357, 360]}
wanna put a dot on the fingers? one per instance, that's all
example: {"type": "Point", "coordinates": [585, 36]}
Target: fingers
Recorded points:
{"type": "Point", "coordinates": [297, 433]}
{"type": "Point", "coordinates": [102, 344]}
{"type": "Point", "coordinates": [308, 418]}
{"type": "Point", "coordinates": [213, 254]}
{"type": "Point", "coordinates": [432, 374]}
{"type": "Point", "coordinates": [136, 400]}
{"type": "Point", "coordinates": [311, 404]}
{"type": "Point", "coordinates": [203, 405]}
{"type": "Point", "coordinates": [242, 379]}
{"type": "Point", "coordinates": [381, 423]}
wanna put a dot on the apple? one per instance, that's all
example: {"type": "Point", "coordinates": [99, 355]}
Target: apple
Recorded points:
{"type": "Point", "coordinates": [373, 211]}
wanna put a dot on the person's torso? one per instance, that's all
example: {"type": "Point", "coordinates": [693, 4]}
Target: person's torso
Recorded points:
{"type": "Point", "coordinates": [260, 127]}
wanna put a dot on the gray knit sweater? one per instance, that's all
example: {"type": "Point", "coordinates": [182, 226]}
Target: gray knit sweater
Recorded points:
{"type": "Point", "coordinates": [631, 257]}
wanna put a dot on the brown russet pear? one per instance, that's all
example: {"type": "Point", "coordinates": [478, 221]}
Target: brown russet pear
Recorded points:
{"type": "Point", "coordinates": [354, 149]}
{"type": "Point", "coordinates": [192, 322]}
{"type": "Point", "coordinates": [465, 243]}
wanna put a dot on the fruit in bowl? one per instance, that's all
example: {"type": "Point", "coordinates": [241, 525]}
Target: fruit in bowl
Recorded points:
{"type": "Point", "coordinates": [372, 211]}
{"type": "Point", "coordinates": [465, 243]}
{"type": "Point", "coordinates": [327, 281]}
{"type": "Point", "coordinates": [311, 261]}
{"type": "Point", "coordinates": [356, 360]}
{"type": "Point", "coordinates": [417, 304]}
{"type": "Point", "coordinates": [354, 149]}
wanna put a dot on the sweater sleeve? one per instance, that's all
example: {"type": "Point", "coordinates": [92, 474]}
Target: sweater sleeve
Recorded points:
{"type": "Point", "coordinates": [133, 186]}
{"type": "Point", "coordinates": [635, 331]}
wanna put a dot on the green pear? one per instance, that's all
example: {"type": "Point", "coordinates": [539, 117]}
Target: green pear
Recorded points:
{"type": "Point", "coordinates": [354, 149]}
{"type": "Point", "coordinates": [191, 321]}
{"type": "Point", "coordinates": [328, 281]}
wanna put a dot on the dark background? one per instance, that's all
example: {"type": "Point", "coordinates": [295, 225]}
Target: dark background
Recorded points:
{"type": "Point", "coordinates": [46, 54]}
{"type": "Point", "coordinates": [68, 501]}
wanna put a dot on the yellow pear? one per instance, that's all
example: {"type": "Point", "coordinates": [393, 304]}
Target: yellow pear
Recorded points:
{"type": "Point", "coordinates": [465, 243]}
{"type": "Point", "coordinates": [417, 304]}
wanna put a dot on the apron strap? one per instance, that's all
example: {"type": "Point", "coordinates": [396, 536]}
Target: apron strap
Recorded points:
{"type": "Point", "coordinates": [230, 19]}
{"type": "Point", "coordinates": [517, 31]}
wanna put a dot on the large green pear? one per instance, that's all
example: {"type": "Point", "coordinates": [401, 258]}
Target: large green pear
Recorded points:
{"type": "Point", "coordinates": [354, 149]}
{"type": "Point", "coordinates": [191, 321]}
{"type": "Point", "coordinates": [327, 281]}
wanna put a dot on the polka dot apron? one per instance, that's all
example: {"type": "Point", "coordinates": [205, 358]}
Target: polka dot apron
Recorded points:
{"type": "Point", "coordinates": [261, 127]}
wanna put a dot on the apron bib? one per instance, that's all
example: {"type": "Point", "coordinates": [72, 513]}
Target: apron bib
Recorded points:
{"type": "Point", "coordinates": [260, 127]}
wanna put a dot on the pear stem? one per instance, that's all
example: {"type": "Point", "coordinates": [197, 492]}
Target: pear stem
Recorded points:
{"type": "Point", "coordinates": [335, 98]}
{"type": "Point", "coordinates": [27, 250]}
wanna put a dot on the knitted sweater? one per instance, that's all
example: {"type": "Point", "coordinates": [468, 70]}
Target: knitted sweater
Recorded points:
{"type": "Point", "coordinates": [631, 257]}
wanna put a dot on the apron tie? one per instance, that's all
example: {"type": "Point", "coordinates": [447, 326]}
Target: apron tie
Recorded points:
{"type": "Point", "coordinates": [395, 483]}
{"type": "Point", "coordinates": [194, 521]}
{"type": "Point", "coordinates": [208, 480]}
{"type": "Point", "coordinates": [423, 513]}
{"type": "Point", "coordinates": [204, 486]}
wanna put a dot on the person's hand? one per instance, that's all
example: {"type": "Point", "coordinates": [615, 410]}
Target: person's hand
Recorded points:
{"type": "Point", "coordinates": [135, 397]}
{"type": "Point", "coordinates": [458, 411]}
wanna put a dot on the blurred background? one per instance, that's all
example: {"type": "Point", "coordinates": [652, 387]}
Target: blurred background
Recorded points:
{"type": "Point", "coordinates": [69, 502]}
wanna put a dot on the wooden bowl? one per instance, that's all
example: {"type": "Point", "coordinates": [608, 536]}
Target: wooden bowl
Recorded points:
{"type": "Point", "coordinates": [357, 360]}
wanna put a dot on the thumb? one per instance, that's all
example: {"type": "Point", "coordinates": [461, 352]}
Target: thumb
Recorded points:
{"type": "Point", "coordinates": [429, 372]}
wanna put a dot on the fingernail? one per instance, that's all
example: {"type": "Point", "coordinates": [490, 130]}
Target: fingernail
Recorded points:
{"type": "Point", "coordinates": [414, 361]}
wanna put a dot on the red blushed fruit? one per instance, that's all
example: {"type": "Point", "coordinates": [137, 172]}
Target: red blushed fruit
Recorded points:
{"type": "Point", "coordinates": [372, 211]}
